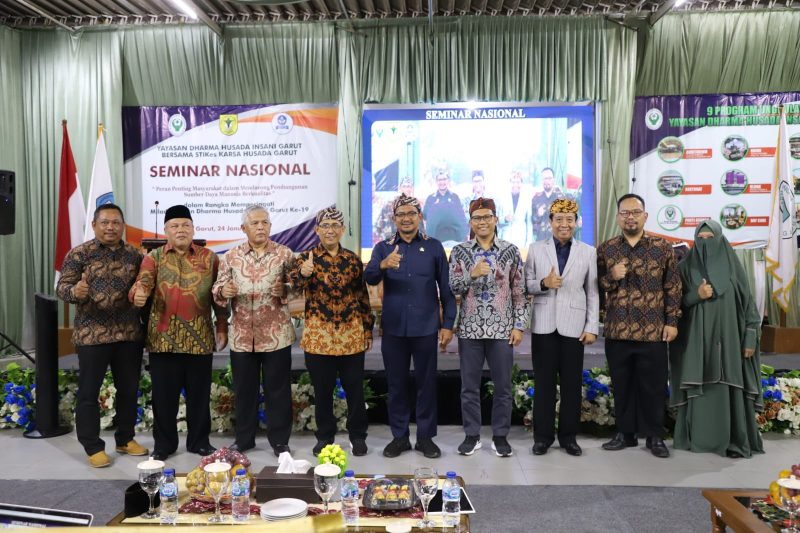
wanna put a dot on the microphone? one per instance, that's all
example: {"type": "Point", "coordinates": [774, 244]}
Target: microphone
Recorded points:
{"type": "Point", "coordinates": [156, 227]}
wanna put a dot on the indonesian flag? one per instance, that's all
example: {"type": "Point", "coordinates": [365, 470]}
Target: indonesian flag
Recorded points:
{"type": "Point", "coordinates": [100, 191]}
{"type": "Point", "coordinates": [71, 211]}
{"type": "Point", "coordinates": [781, 252]}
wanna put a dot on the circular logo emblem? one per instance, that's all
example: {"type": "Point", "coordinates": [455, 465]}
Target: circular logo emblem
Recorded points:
{"type": "Point", "coordinates": [653, 119]}
{"type": "Point", "coordinates": [670, 149]}
{"type": "Point", "coordinates": [282, 123]}
{"type": "Point", "coordinates": [733, 182]}
{"type": "Point", "coordinates": [670, 183]}
{"type": "Point", "coordinates": [733, 216]}
{"type": "Point", "coordinates": [670, 217]}
{"type": "Point", "coordinates": [177, 125]}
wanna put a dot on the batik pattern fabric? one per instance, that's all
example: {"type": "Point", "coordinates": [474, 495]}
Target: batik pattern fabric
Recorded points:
{"type": "Point", "coordinates": [491, 306]}
{"type": "Point", "coordinates": [105, 315]}
{"type": "Point", "coordinates": [648, 297]}
{"type": "Point", "coordinates": [260, 322]}
{"type": "Point", "coordinates": [180, 315]}
{"type": "Point", "coordinates": [338, 317]}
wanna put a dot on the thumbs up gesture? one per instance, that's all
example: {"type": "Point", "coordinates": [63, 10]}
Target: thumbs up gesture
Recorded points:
{"type": "Point", "coordinates": [140, 296]}
{"type": "Point", "coordinates": [230, 289]}
{"type": "Point", "coordinates": [307, 268]}
{"type": "Point", "coordinates": [393, 259]}
{"type": "Point", "coordinates": [481, 268]}
{"type": "Point", "coordinates": [553, 280]}
{"type": "Point", "coordinates": [81, 289]}
{"type": "Point", "coordinates": [705, 290]}
{"type": "Point", "coordinates": [620, 270]}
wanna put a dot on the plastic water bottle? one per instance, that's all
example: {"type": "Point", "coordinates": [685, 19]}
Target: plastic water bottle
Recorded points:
{"type": "Point", "coordinates": [451, 500]}
{"type": "Point", "coordinates": [349, 499]}
{"type": "Point", "coordinates": [240, 496]}
{"type": "Point", "coordinates": [169, 498]}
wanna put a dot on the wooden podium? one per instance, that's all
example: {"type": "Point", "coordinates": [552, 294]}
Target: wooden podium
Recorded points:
{"type": "Point", "coordinates": [780, 339]}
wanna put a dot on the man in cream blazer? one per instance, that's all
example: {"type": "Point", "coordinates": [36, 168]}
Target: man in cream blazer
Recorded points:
{"type": "Point", "coordinates": [561, 274]}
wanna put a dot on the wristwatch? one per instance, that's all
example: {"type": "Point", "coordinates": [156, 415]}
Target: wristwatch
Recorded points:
{"type": "Point", "coordinates": [541, 285]}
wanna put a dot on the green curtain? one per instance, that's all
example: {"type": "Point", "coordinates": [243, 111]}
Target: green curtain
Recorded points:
{"type": "Point", "coordinates": [14, 287]}
{"type": "Point", "coordinates": [726, 53]}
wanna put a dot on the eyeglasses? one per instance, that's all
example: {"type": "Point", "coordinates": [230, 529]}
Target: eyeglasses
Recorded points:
{"type": "Point", "coordinates": [326, 227]}
{"type": "Point", "coordinates": [407, 214]}
{"type": "Point", "coordinates": [482, 218]}
{"type": "Point", "coordinates": [635, 213]}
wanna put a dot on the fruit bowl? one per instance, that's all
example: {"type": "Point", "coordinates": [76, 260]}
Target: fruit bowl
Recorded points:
{"type": "Point", "coordinates": [196, 479]}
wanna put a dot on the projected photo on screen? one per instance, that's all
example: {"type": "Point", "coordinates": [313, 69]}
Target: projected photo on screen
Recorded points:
{"type": "Point", "coordinates": [449, 154]}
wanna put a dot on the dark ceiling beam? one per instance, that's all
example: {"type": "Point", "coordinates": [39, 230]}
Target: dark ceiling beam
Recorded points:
{"type": "Point", "coordinates": [36, 9]}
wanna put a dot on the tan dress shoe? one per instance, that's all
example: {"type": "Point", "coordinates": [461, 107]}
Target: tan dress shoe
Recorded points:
{"type": "Point", "coordinates": [132, 448]}
{"type": "Point", "coordinates": [99, 460]}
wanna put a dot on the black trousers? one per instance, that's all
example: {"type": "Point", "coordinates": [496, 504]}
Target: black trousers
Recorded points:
{"type": "Point", "coordinates": [172, 372]}
{"type": "Point", "coordinates": [273, 369]}
{"type": "Point", "coordinates": [350, 369]}
{"type": "Point", "coordinates": [639, 377]}
{"type": "Point", "coordinates": [125, 359]}
{"type": "Point", "coordinates": [556, 360]}
{"type": "Point", "coordinates": [397, 353]}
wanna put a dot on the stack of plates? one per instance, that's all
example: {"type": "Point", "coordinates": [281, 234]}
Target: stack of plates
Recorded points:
{"type": "Point", "coordinates": [283, 509]}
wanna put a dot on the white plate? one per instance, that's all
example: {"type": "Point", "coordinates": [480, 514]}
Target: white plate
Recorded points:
{"type": "Point", "coordinates": [283, 508]}
{"type": "Point", "coordinates": [269, 519]}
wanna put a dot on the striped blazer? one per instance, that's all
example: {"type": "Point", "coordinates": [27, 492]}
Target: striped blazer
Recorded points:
{"type": "Point", "coordinates": [572, 309]}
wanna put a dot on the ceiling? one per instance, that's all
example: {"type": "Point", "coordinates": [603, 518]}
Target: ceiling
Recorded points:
{"type": "Point", "coordinates": [74, 14]}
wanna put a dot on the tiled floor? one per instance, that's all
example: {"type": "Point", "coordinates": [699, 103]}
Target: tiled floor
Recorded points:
{"type": "Point", "coordinates": [63, 458]}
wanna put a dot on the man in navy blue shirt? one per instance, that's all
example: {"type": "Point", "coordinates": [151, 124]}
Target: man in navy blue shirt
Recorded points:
{"type": "Point", "coordinates": [414, 271]}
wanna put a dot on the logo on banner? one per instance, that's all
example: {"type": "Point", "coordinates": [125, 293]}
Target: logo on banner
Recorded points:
{"type": "Point", "coordinates": [670, 217]}
{"type": "Point", "coordinates": [282, 123]}
{"type": "Point", "coordinates": [228, 124]}
{"type": "Point", "coordinates": [653, 119]}
{"type": "Point", "coordinates": [107, 198]}
{"type": "Point", "coordinates": [177, 125]}
{"type": "Point", "coordinates": [786, 199]}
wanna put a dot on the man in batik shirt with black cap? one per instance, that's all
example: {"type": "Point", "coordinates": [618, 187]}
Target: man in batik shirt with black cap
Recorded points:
{"type": "Point", "coordinates": [180, 333]}
{"type": "Point", "coordinates": [338, 329]}
{"type": "Point", "coordinates": [413, 269]}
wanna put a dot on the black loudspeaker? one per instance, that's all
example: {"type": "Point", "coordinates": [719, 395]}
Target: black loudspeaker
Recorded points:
{"type": "Point", "coordinates": [6, 202]}
{"type": "Point", "coordinates": [47, 421]}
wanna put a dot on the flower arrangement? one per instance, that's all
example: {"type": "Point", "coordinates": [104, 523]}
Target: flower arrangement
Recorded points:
{"type": "Point", "coordinates": [18, 406]}
{"type": "Point", "coordinates": [781, 402]}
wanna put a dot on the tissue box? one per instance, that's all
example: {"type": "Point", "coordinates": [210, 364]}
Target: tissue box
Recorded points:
{"type": "Point", "coordinates": [271, 485]}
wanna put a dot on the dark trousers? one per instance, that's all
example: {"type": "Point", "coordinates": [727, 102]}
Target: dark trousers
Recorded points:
{"type": "Point", "coordinates": [397, 353]}
{"type": "Point", "coordinates": [273, 369]}
{"type": "Point", "coordinates": [125, 359]}
{"type": "Point", "coordinates": [556, 360]}
{"type": "Point", "coordinates": [500, 357]}
{"type": "Point", "coordinates": [172, 372]}
{"type": "Point", "coordinates": [639, 377]}
{"type": "Point", "coordinates": [350, 369]}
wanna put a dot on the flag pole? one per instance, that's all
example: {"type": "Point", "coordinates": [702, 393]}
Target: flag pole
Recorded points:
{"type": "Point", "coordinates": [66, 305]}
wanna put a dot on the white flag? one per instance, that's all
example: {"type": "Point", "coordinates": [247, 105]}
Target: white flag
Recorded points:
{"type": "Point", "coordinates": [100, 191]}
{"type": "Point", "coordinates": [781, 252]}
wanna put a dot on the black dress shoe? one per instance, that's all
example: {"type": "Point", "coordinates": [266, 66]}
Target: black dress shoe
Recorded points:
{"type": "Point", "coordinates": [657, 447]}
{"type": "Point", "coordinates": [396, 447]}
{"type": "Point", "coordinates": [733, 455]}
{"type": "Point", "coordinates": [539, 448]}
{"type": "Point", "coordinates": [572, 448]}
{"type": "Point", "coordinates": [280, 448]}
{"type": "Point", "coordinates": [236, 448]}
{"type": "Point", "coordinates": [204, 450]}
{"type": "Point", "coordinates": [620, 442]}
{"type": "Point", "coordinates": [160, 456]}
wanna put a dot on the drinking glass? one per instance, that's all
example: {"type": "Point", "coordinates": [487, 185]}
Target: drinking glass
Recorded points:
{"type": "Point", "coordinates": [790, 500]}
{"type": "Point", "coordinates": [218, 478]}
{"type": "Point", "coordinates": [326, 481]}
{"type": "Point", "coordinates": [151, 472]}
{"type": "Point", "coordinates": [426, 483]}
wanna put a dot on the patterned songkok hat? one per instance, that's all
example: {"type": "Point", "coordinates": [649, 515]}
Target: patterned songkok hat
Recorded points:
{"type": "Point", "coordinates": [564, 206]}
{"type": "Point", "coordinates": [482, 203]}
{"type": "Point", "coordinates": [330, 213]}
{"type": "Point", "coordinates": [402, 200]}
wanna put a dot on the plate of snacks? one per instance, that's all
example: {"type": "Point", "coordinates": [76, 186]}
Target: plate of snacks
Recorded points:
{"type": "Point", "coordinates": [390, 495]}
{"type": "Point", "coordinates": [196, 479]}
